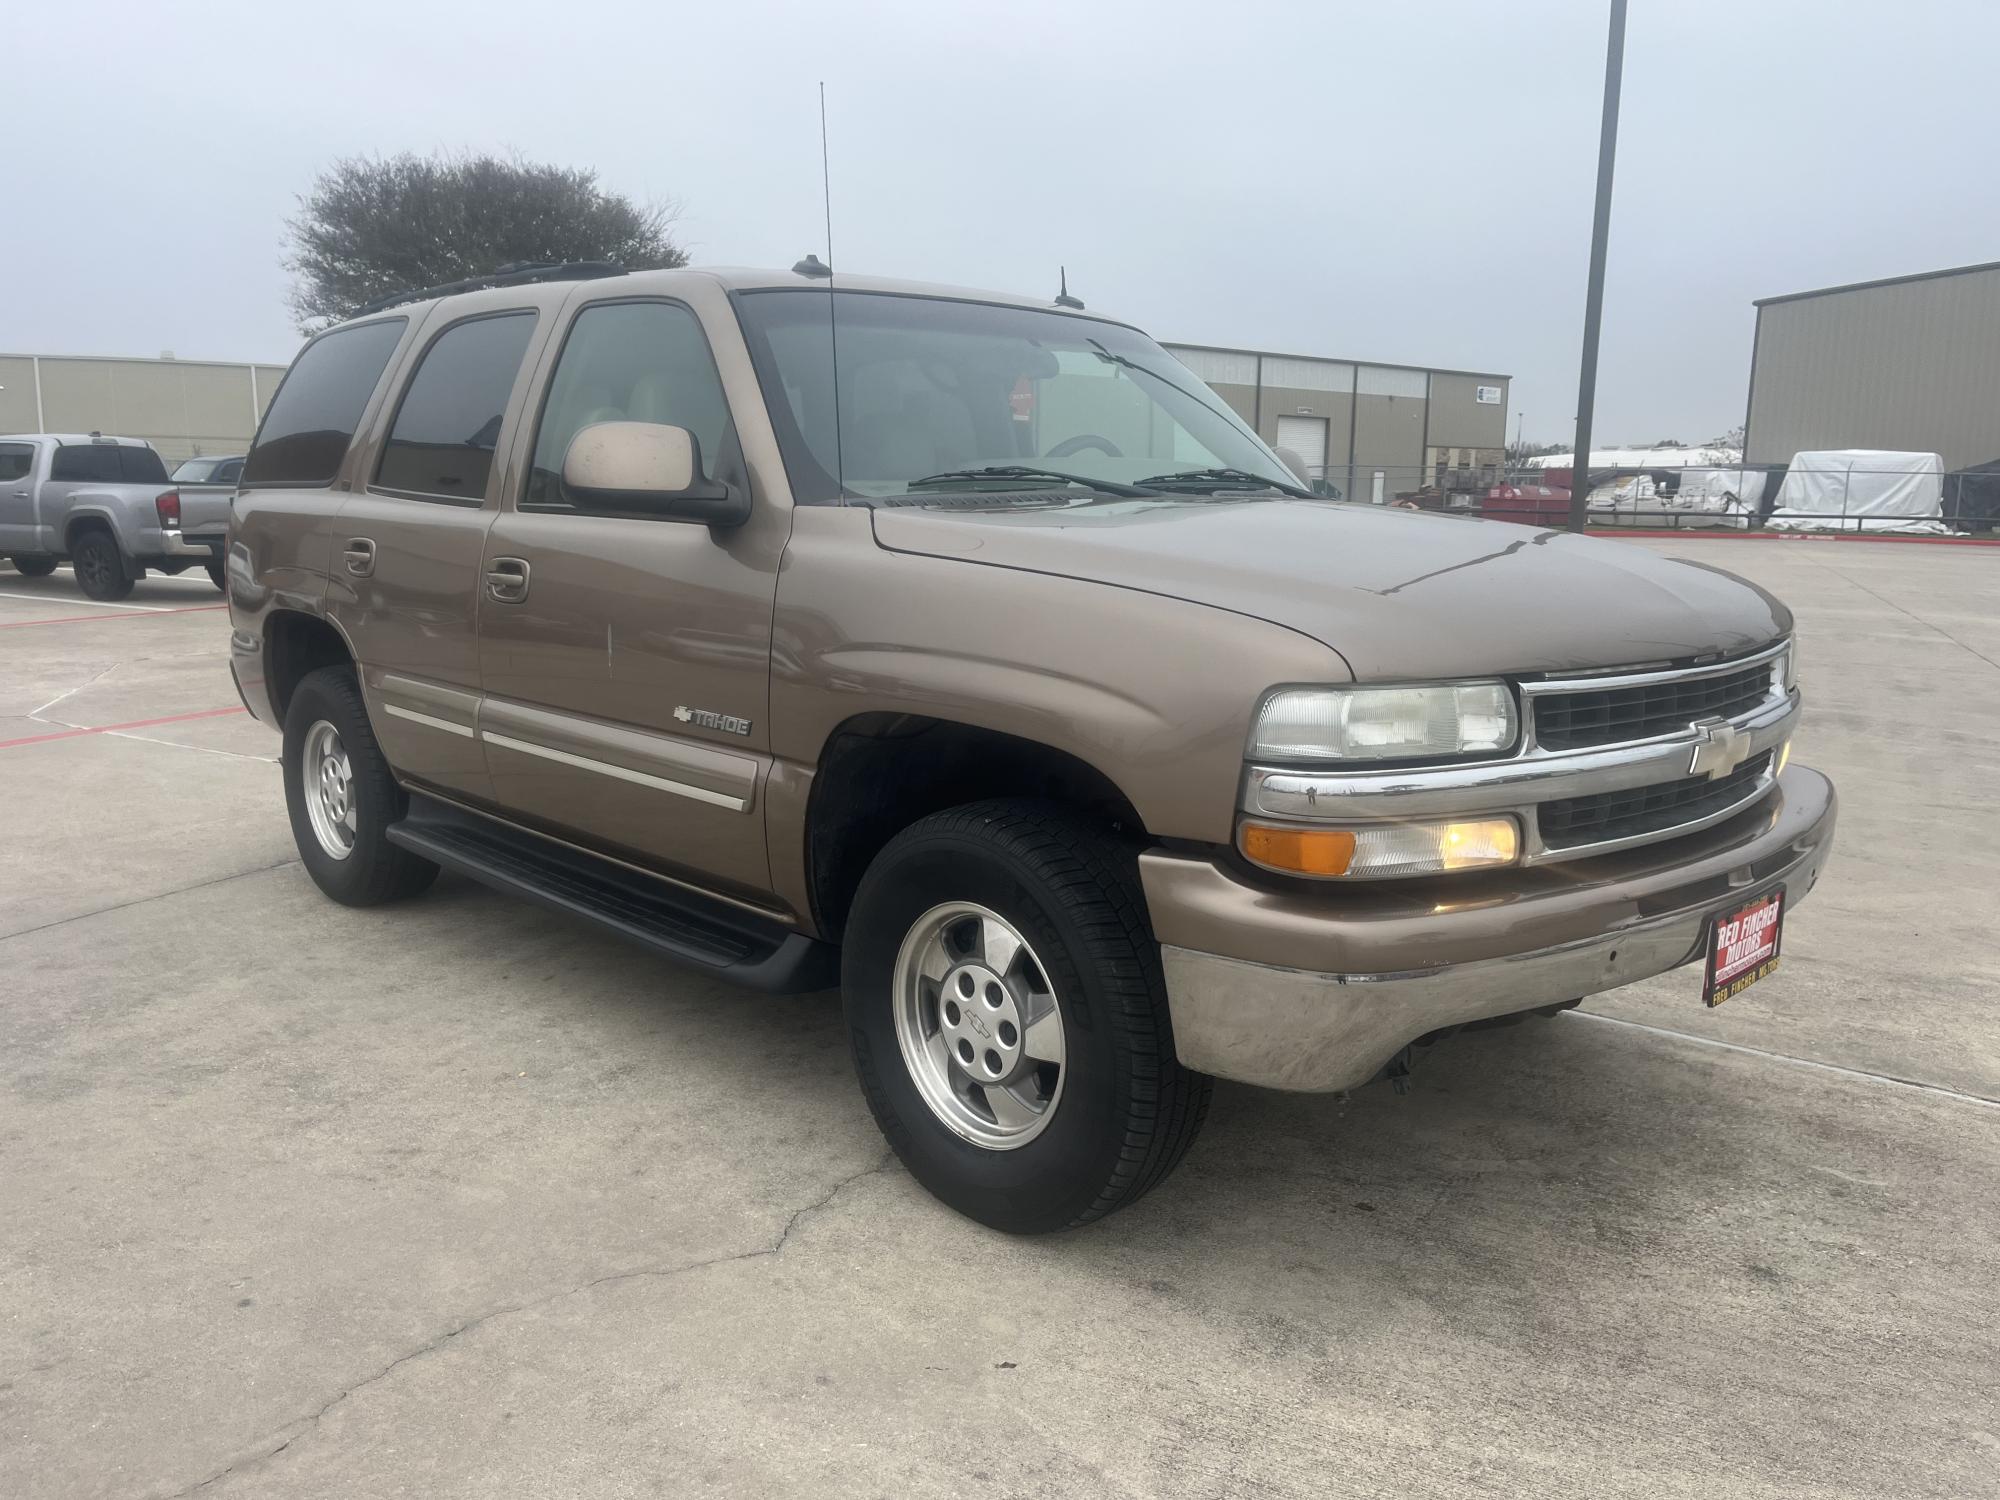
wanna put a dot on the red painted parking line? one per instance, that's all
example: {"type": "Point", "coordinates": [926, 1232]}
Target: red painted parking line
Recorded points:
{"type": "Point", "coordinates": [1726, 534]}
{"type": "Point", "coordinates": [174, 609]}
{"type": "Point", "coordinates": [70, 734]}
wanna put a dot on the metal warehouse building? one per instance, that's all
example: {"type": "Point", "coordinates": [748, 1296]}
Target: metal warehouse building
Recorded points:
{"type": "Point", "coordinates": [1910, 364]}
{"type": "Point", "coordinates": [1371, 431]}
{"type": "Point", "coordinates": [183, 407]}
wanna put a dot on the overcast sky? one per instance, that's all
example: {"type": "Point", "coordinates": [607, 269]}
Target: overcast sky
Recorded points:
{"type": "Point", "coordinates": [1398, 181]}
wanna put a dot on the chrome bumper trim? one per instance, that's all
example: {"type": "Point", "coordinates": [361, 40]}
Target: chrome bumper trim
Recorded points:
{"type": "Point", "coordinates": [1318, 1032]}
{"type": "Point", "coordinates": [176, 544]}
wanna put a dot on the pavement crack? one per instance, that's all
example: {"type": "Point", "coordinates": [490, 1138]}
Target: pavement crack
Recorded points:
{"type": "Point", "coordinates": [102, 911]}
{"type": "Point", "coordinates": [90, 682]}
{"type": "Point", "coordinates": [1889, 1080]}
{"type": "Point", "coordinates": [300, 1426]}
{"type": "Point", "coordinates": [1919, 619]}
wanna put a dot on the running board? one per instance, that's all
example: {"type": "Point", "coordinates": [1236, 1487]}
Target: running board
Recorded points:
{"type": "Point", "coordinates": [706, 934]}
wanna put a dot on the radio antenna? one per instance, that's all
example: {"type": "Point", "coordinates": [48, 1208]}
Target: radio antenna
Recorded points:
{"type": "Point", "coordinates": [832, 302]}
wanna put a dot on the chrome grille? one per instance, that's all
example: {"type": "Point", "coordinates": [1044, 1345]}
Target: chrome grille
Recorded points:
{"type": "Point", "coordinates": [1575, 821]}
{"type": "Point", "coordinates": [1582, 718]}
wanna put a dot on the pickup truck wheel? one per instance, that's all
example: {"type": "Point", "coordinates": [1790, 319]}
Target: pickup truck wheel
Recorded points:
{"type": "Point", "coordinates": [33, 567]}
{"type": "Point", "coordinates": [1009, 1020]}
{"type": "Point", "coordinates": [342, 798]}
{"type": "Point", "coordinates": [100, 567]}
{"type": "Point", "coordinates": [218, 575]}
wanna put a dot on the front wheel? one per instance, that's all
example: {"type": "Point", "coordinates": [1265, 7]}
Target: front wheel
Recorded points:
{"type": "Point", "coordinates": [1009, 1021]}
{"type": "Point", "coordinates": [101, 570]}
{"type": "Point", "coordinates": [33, 567]}
{"type": "Point", "coordinates": [342, 797]}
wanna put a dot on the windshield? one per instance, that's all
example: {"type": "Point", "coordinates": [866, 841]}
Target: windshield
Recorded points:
{"type": "Point", "coordinates": [933, 387]}
{"type": "Point", "coordinates": [197, 470]}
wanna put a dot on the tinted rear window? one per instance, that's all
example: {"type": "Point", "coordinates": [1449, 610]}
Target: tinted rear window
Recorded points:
{"type": "Point", "coordinates": [15, 460]}
{"type": "Point", "coordinates": [449, 423]}
{"type": "Point", "coordinates": [140, 466]}
{"type": "Point", "coordinates": [312, 418]}
{"type": "Point", "coordinates": [91, 463]}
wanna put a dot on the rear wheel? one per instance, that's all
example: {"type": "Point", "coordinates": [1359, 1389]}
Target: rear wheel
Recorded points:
{"type": "Point", "coordinates": [33, 567]}
{"type": "Point", "coordinates": [217, 575]}
{"type": "Point", "coordinates": [101, 569]}
{"type": "Point", "coordinates": [1009, 1020]}
{"type": "Point", "coordinates": [342, 797]}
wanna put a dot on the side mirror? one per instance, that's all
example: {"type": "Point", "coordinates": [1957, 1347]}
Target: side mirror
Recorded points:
{"type": "Point", "coordinates": [648, 468]}
{"type": "Point", "coordinates": [1296, 464]}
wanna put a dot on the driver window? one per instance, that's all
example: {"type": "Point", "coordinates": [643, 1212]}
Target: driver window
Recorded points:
{"type": "Point", "coordinates": [627, 362]}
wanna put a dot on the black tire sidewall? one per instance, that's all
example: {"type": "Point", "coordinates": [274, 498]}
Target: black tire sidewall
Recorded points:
{"type": "Point", "coordinates": [369, 872]}
{"type": "Point", "coordinates": [104, 548]}
{"type": "Point", "coordinates": [33, 567]}
{"type": "Point", "coordinates": [217, 576]}
{"type": "Point", "coordinates": [1054, 1180]}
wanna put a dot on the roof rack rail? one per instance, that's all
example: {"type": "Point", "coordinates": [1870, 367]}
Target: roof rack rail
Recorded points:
{"type": "Point", "coordinates": [515, 273]}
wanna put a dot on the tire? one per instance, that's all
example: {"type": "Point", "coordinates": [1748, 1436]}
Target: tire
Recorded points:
{"type": "Point", "coordinates": [1117, 1113]}
{"type": "Point", "coordinates": [33, 567]}
{"type": "Point", "coordinates": [101, 570]}
{"type": "Point", "coordinates": [218, 575]}
{"type": "Point", "coordinates": [360, 804]}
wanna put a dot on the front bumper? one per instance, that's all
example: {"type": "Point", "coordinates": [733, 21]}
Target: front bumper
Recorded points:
{"type": "Point", "coordinates": [1317, 991]}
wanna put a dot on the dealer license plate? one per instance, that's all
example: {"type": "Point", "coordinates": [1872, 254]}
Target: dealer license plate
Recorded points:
{"type": "Point", "coordinates": [1743, 947]}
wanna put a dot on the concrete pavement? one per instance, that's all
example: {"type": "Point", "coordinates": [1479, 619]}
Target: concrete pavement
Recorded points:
{"type": "Point", "coordinates": [459, 1198]}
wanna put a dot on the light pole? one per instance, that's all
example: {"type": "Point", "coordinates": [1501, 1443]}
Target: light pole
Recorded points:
{"type": "Point", "coordinates": [1593, 303]}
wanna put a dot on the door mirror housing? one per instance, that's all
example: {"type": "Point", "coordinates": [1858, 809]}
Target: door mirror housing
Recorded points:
{"type": "Point", "coordinates": [647, 468]}
{"type": "Point", "coordinates": [1296, 464]}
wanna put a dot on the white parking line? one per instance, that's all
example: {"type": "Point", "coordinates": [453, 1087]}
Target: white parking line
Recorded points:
{"type": "Point", "coordinates": [151, 609]}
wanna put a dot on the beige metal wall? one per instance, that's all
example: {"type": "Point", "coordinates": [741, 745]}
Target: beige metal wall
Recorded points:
{"type": "Point", "coordinates": [1386, 417]}
{"type": "Point", "coordinates": [182, 407]}
{"type": "Point", "coordinates": [1911, 366]}
{"type": "Point", "coordinates": [1459, 419]}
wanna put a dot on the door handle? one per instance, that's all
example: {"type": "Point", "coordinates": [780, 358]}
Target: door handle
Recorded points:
{"type": "Point", "coordinates": [507, 579]}
{"type": "Point", "coordinates": [359, 556]}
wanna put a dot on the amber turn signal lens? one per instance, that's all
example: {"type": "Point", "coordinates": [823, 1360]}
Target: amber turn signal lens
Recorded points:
{"type": "Point", "coordinates": [1307, 851]}
{"type": "Point", "coordinates": [1380, 850]}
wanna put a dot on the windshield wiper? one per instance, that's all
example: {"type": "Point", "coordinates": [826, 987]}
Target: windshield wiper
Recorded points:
{"type": "Point", "coordinates": [1022, 471]}
{"type": "Point", "coordinates": [1207, 481]}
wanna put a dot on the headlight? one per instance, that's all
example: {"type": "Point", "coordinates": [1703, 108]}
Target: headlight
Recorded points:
{"type": "Point", "coordinates": [1401, 723]}
{"type": "Point", "coordinates": [1789, 664]}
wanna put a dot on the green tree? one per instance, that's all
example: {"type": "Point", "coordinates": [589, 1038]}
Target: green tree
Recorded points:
{"type": "Point", "coordinates": [373, 226]}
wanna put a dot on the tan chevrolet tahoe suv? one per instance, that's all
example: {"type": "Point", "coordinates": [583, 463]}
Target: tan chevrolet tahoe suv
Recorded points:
{"type": "Point", "coordinates": [970, 653]}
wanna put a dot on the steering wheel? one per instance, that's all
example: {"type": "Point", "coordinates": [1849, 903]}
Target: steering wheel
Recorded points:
{"type": "Point", "coordinates": [1082, 441]}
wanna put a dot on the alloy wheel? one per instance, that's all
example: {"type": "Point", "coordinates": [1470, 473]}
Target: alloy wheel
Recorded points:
{"type": "Point", "coordinates": [979, 1025]}
{"type": "Point", "coordinates": [327, 780]}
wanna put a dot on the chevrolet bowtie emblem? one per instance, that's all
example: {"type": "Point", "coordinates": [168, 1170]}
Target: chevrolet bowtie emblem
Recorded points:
{"type": "Point", "coordinates": [1719, 748]}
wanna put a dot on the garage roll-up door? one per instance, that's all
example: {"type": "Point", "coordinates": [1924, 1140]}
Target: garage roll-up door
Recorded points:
{"type": "Point", "coordinates": [1305, 436]}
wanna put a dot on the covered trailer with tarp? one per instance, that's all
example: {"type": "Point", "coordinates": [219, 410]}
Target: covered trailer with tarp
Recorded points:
{"type": "Point", "coordinates": [1861, 490]}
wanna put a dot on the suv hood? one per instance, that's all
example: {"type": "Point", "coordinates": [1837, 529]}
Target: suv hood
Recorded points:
{"type": "Point", "coordinates": [1400, 594]}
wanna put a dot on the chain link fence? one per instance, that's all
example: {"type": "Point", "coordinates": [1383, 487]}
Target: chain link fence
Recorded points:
{"type": "Point", "coordinates": [1831, 498]}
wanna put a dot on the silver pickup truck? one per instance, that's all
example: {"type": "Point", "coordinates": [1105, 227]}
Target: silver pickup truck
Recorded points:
{"type": "Point", "coordinates": [107, 506]}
